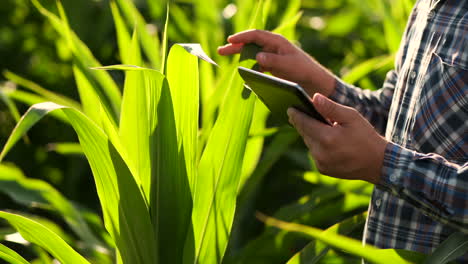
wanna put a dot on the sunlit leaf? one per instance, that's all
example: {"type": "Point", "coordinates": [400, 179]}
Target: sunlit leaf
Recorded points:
{"type": "Point", "coordinates": [37, 193]}
{"type": "Point", "coordinates": [149, 40]}
{"type": "Point", "coordinates": [46, 94]}
{"type": "Point", "coordinates": [43, 237]}
{"type": "Point", "coordinates": [349, 245]}
{"type": "Point", "coordinates": [126, 215]}
{"type": "Point", "coordinates": [314, 251]}
{"type": "Point", "coordinates": [11, 256]}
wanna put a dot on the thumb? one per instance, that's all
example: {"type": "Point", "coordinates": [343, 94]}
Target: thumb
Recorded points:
{"type": "Point", "coordinates": [331, 110]}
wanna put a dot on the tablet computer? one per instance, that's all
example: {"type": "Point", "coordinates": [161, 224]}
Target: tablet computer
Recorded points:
{"type": "Point", "coordinates": [278, 95]}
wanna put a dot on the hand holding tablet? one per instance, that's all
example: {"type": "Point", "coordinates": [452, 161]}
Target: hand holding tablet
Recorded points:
{"type": "Point", "coordinates": [278, 95]}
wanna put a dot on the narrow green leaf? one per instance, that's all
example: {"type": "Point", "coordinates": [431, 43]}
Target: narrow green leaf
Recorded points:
{"type": "Point", "coordinates": [134, 121]}
{"type": "Point", "coordinates": [157, 8]}
{"type": "Point", "coordinates": [347, 244]}
{"type": "Point", "coordinates": [43, 237]}
{"type": "Point", "coordinates": [219, 172]}
{"type": "Point", "coordinates": [455, 246]}
{"type": "Point", "coordinates": [250, 184]}
{"type": "Point", "coordinates": [11, 256]}
{"type": "Point", "coordinates": [122, 67]}
{"type": "Point", "coordinates": [48, 95]}
{"type": "Point", "coordinates": [363, 69]}
{"type": "Point", "coordinates": [37, 193]}
{"type": "Point", "coordinates": [103, 83]}
{"type": "Point", "coordinates": [149, 40]}
{"type": "Point", "coordinates": [89, 97]}
{"type": "Point", "coordinates": [280, 143]}
{"type": "Point", "coordinates": [23, 126]}
{"type": "Point", "coordinates": [165, 41]}
{"type": "Point", "coordinates": [31, 99]}
{"type": "Point", "coordinates": [176, 153]}
{"type": "Point", "coordinates": [12, 108]}
{"type": "Point", "coordinates": [315, 250]}
{"type": "Point", "coordinates": [66, 148]}
{"type": "Point", "coordinates": [126, 214]}
{"type": "Point", "coordinates": [123, 36]}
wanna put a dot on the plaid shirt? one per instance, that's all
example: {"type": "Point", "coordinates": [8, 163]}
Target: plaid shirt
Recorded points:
{"type": "Point", "coordinates": [422, 197]}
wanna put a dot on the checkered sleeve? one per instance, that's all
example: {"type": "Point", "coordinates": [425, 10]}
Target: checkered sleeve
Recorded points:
{"type": "Point", "coordinates": [429, 182]}
{"type": "Point", "coordinates": [373, 105]}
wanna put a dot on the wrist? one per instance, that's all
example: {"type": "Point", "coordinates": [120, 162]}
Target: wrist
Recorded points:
{"type": "Point", "coordinates": [319, 80]}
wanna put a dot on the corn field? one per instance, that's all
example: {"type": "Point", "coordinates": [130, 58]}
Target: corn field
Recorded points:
{"type": "Point", "coordinates": [143, 146]}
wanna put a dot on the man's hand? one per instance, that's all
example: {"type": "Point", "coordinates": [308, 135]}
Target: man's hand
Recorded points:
{"type": "Point", "coordinates": [349, 149]}
{"type": "Point", "coordinates": [284, 60]}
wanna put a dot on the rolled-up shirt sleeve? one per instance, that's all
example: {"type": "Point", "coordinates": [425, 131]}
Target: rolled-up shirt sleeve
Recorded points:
{"type": "Point", "coordinates": [428, 181]}
{"type": "Point", "coordinates": [373, 105]}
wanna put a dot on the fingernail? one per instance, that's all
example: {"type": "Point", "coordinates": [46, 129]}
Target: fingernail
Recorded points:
{"type": "Point", "coordinates": [290, 111]}
{"type": "Point", "coordinates": [318, 98]}
{"type": "Point", "coordinates": [261, 57]}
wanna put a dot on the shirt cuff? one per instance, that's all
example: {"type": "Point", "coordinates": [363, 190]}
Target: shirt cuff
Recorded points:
{"type": "Point", "coordinates": [396, 160]}
{"type": "Point", "coordinates": [340, 94]}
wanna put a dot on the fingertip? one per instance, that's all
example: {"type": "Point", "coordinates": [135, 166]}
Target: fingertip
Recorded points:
{"type": "Point", "coordinates": [318, 99]}
{"type": "Point", "coordinates": [233, 38]}
{"type": "Point", "coordinates": [291, 111]}
{"type": "Point", "coordinates": [261, 57]}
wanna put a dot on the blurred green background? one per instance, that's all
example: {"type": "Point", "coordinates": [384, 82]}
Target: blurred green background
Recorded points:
{"type": "Point", "coordinates": [355, 39]}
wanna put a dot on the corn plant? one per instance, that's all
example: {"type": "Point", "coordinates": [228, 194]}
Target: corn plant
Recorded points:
{"type": "Point", "coordinates": [163, 197]}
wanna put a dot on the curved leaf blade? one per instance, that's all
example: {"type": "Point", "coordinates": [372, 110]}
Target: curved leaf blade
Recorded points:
{"type": "Point", "coordinates": [126, 215]}
{"type": "Point", "coordinates": [43, 237]}
{"type": "Point", "coordinates": [347, 244]}
{"type": "Point", "coordinates": [11, 256]}
{"type": "Point", "coordinates": [453, 247]}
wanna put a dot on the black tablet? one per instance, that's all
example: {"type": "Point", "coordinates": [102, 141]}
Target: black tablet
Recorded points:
{"type": "Point", "coordinates": [278, 95]}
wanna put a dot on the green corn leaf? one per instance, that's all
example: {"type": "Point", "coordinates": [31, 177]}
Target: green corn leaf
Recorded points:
{"type": "Point", "coordinates": [349, 245]}
{"type": "Point", "coordinates": [126, 215]}
{"type": "Point", "coordinates": [10, 104]}
{"type": "Point", "coordinates": [123, 36]}
{"type": "Point", "coordinates": [43, 237]}
{"type": "Point", "coordinates": [219, 171]}
{"type": "Point", "coordinates": [357, 187]}
{"type": "Point", "coordinates": [322, 206]}
{"type": "Point", "coordinates": [250, 184]}
{"type": "Point", "coordinates": [455, 246]}
{"type": "Point", "coordinates": [12, 108]}
{"type": "Point", "coordinates": [66, 148]}
{"type": "Point", "coordinates": [22, 127]}
{"type": "Point", "coordinates": [37, 193]}
{"type": "Point", "coordinates": [288, 26]}
{"type": "Point", "coordinates": [315, 250]}
{"type": "Point", "coordinates": [281, 141]}
{"type": "Point", "coordinates": [392, 29]}
{"type": "Point", "coordinates": [31, 99]}
{"type": "Point", "coordinates": [185, 97]}
{"type": "Point", "coordinates": [366, 67]}
{"type": "Point", "coordinates": [149, 40]}
{"type": "Point", "coordinates": [46, 94]}
{"type": "Point", "coordinates": [157, 8]}
{"type": "Point", "coordinates": [255, 144]}
{"type": "Point", "coordinates": [181, 21]}
{"type": "Point", "coordinates": [103, 83]}
{"type": "Point", "coordinates": [175, 144]}
{"type": "Point", "coordinates": [165, 42]}
{"type": "Point", "coordinates": [134, 121]}
{"type": "Point", "coordinates": [11, 256]}
{"type": "Point", "coordinates": [89, 97]}
{"type": "Point", "coordinates": [122, 67]}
